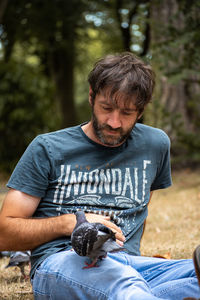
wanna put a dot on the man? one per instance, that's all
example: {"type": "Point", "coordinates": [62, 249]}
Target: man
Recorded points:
{"type": "Point", "coordinates": [107, 167]}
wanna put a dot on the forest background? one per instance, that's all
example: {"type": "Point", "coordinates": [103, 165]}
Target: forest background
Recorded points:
{"type": "Point", "coordinates": [47, 49]}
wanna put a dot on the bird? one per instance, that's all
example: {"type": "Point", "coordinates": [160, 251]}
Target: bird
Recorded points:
{"type": "Point", "coordinates": [4, 254]}
{"type": "Point", "coordinates": [19, 259]}
{"type": "Point", "coordinates": [93, 240]}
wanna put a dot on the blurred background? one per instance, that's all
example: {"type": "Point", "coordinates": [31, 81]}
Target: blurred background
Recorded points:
{"type": "Point", "coordinates": [47, 49]}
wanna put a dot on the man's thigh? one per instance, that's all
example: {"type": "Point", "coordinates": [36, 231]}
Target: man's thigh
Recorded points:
{"type": "Point", "coordinates": [61, 276]}
{"type": "Point", "coordinates": [169, 279]}
{"type": "Point", "coordinates": [157, 270]}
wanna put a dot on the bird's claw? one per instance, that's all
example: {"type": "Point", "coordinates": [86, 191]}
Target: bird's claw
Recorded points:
{"type": "Point", "coordinates": [90, 265]}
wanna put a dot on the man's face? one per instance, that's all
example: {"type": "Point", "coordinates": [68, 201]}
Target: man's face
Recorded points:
{"type": "Point", "coordinates": [112, 121]}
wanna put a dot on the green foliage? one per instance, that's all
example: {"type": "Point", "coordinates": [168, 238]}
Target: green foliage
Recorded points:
{"type": "Point", "coordinates": [177, 46]}
{"type": "Point", "coordinates": [89, 52]}
{"type": "Point", "coordinates": [175, 49]}
{"type": "Point", "coordinates": [26, 109]}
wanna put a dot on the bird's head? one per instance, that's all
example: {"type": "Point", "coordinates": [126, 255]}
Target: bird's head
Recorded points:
{"type": "Point", "coordinates": [80, 217]}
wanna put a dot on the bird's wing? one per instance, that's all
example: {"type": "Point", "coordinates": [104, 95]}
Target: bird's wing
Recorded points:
{"type": "Point", "coordinates": [102, 237]}
{"type": "Point", "coordinates": [109, 243]}
{"type": "Point", "coordinates": [103, 234]}
{"type": "Point", "coordinates": [17, 258]}
{"type": "Point", "coordinates": [111, 246]}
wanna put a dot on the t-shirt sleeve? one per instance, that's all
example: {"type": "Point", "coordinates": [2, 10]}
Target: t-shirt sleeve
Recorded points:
{"type": "Point", "coordinates": [32, 172]}
{"type": "Point", "coordinates": [163, 176]}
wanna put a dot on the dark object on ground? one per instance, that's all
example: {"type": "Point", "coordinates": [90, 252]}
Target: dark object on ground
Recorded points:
{"type": "Point", "coordinates": [5, 253]}
{"type": "Point", "coordinates": [196, 260]}
{"type": "Point", "coordinates": [19, 259]}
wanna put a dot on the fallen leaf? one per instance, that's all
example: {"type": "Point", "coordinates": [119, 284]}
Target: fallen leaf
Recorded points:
{"type": "Point", "coordinates": [165, 256]}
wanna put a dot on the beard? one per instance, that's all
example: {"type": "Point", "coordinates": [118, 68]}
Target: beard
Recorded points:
{"type": "Point", "coordinates": [119, 134]}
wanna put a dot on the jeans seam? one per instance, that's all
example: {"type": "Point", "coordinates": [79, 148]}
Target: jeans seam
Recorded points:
{"type": "Point", "coordinates": [71, 281]}
{"type": "Point", "coordinates": [178, 285]}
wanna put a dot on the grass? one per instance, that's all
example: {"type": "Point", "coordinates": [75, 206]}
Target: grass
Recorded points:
{"type": "Point", "coordinates": [172, 228]}
{"type": "Point", "coordinates": [173, 221]}
{"type": "Point", "coordinates": [12, 286]}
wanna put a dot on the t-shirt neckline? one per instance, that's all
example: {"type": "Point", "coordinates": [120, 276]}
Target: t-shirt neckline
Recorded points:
{"type": "Point", "coordinates": [100, 146]}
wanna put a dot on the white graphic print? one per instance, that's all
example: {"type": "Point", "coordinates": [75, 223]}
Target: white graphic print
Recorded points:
{"type": "Point", "coordinates": [120, 192]}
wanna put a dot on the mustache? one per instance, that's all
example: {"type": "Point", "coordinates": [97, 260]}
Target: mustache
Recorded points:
{"type": "Point", "coordinates": [106, 126]}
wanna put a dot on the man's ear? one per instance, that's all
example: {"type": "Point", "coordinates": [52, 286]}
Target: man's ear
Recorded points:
{"type": "Point", "coordinates": [90, 95]}
{"type": "Point", "coordinates": [140, 115]}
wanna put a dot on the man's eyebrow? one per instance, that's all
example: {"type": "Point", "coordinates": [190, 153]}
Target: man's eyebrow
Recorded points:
{"type": "Point", "coordinates": [108, 103]}
{"type": "Point", "coordinates": [129, 109]}
{"type": "Point", "coordinates": [104, 101]}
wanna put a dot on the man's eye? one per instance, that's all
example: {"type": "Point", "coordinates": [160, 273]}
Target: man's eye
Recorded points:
{"type": "Point", "coordinates": [127, 113]}
{"type": "Point", "coordinates": [107, 108]}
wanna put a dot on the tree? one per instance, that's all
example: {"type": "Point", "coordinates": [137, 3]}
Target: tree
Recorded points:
{"type": "Point", "coordinates": [175, 49]}
{"type": "Point", "coordinates": [125, 21]}
{"type": "Point", "coordinates": [49, 26]}
{"type": "Point", "coordinates": [26, 107]}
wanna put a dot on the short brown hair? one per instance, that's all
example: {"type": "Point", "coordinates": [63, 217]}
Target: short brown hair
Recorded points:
{"type": "Point", "coordinates": [124, 73]}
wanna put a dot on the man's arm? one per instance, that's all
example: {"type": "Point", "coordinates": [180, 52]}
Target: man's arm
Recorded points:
{"type": "Point", "coordinates": [19, 231]}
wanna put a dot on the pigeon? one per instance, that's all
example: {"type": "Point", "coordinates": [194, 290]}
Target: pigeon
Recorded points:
{"type": "Point", "coordinates": [19, 259]}
{"type": "Point", "coordinates": [93, 240]}
{"type": "Point", "coordinates": [4, 254]}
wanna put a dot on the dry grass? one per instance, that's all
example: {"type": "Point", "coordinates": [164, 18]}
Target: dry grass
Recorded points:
{"type": "Point", "coordinates": [12, 286]}
{"type": "Point", "coordinates": [173, 226]}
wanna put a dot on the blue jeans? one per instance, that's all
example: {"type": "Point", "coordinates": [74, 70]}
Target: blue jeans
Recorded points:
{"type": "Point", "coordinates": [120, 276]}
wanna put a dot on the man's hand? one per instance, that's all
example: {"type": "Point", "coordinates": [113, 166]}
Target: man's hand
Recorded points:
{"type": "Point", "coordinates": [105, 220]}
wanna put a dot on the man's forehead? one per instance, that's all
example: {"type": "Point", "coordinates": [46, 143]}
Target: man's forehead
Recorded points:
{"type": "Point", "coordinates": [119, 100]}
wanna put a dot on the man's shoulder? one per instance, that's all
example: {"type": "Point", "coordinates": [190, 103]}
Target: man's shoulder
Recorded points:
{"type": "Point", "coordinates": [149, 132]}
{"type": "Point", "coordinates": [59, 136]}
{"type": "Point", "coordinates": [61, 132]}
{"type": "Point", "coordinates": [152, 137]}
{"type": "Point", "coordinates": [57, 140]}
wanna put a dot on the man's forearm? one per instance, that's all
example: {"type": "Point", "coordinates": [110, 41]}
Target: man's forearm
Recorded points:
{"type": "Point", "coordinates": [28, 233]}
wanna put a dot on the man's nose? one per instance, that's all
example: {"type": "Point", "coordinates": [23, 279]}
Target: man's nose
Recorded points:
{"type": "Point", "coordinates": [114, 119]}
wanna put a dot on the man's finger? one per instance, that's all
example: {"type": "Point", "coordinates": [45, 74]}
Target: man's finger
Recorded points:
{"type": "Point", "coordinates": [120, 243]}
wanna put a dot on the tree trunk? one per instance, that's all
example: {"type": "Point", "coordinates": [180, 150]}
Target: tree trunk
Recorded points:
{"type": "Point", "coordinates": [62, 69]}
{"type": "Point", "coordinates": [173, 97]}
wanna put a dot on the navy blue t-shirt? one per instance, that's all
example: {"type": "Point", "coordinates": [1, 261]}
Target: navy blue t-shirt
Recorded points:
{"type": "Point", "coordinates": [69, 171]}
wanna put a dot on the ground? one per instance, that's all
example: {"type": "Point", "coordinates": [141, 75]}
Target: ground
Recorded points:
{"type": "Point", "coordinates": [173, 221]}
{"type": "Point", "coordinates": [172, 229]}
